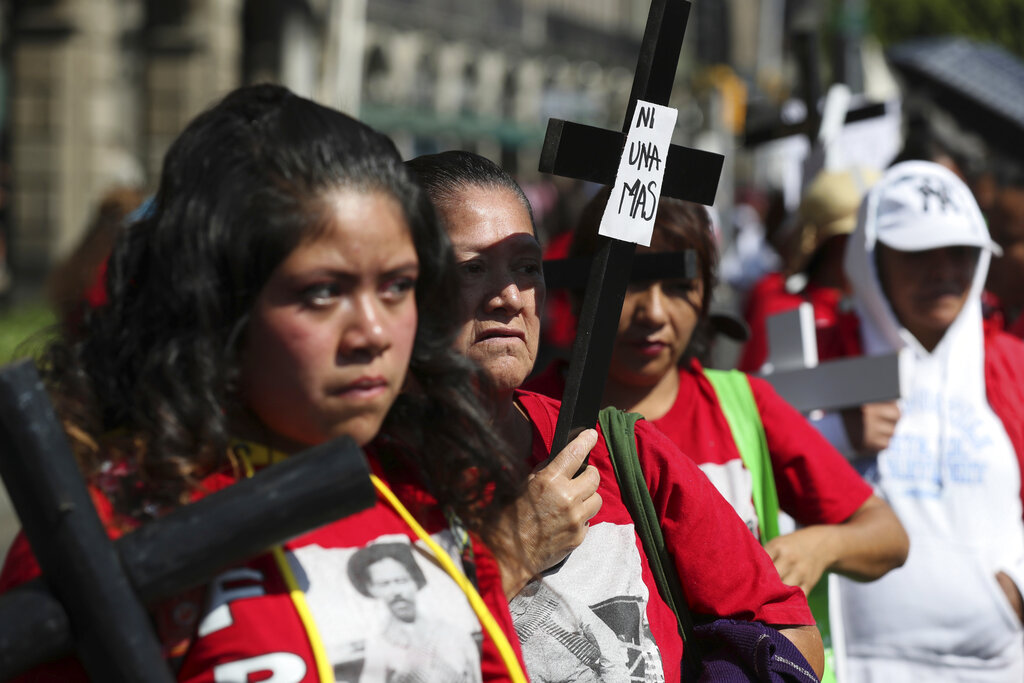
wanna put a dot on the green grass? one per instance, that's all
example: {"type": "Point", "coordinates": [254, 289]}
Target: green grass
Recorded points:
{"type": "Point", "coordinates": [20, 324]}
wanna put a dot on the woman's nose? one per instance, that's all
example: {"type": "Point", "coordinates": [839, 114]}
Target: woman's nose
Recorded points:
{"type": "Point", "coordinates": [949, 264]}
{"type": "Point", "coordinates": [364, 329]}
{"type": "Point", "coordinates": [651, 305]}
{"type": "Point", "coordinates": [507, 297]}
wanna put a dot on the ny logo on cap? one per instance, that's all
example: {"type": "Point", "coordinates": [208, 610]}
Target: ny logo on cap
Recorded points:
{"type": "Point", "coordinates": [941, 192]}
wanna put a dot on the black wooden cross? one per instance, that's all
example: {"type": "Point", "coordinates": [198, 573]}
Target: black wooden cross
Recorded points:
{"type": "Point", "coordinates": [572, 272]}
{"type": "Point", "coordinates": [777, 129]}
{"type": "Point", "coordinates": [90, 600]}
{"type": "Point", "coordinates": [587, 153]}
{"type": "Point", "coordinates": [805, 41]}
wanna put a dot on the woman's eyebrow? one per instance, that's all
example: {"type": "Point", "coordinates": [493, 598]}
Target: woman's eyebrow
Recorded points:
{"type": "Point", "coordinates": [402, 269]}
{"type": "Point", "coordinates": [527, 243]}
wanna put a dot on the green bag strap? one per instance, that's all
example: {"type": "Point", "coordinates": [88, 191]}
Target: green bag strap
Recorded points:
{"type": "Point", "coordinates": [740, 410]}
{"type": "Point", "coordinates": [737, 402]}
{"type": "Point", "coordinates": [618, 429]}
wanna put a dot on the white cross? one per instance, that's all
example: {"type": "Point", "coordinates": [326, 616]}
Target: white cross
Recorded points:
{"type": "Point", "coordinates": [793, 369]}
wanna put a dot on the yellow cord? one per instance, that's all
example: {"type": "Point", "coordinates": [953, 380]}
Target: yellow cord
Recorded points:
{"type": "Point", "coordinates": [323, 667]}
{"type": "Point", "coordinates": [487, 620]}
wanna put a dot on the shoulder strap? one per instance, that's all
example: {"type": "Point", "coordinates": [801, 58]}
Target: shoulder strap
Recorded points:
{"type": "Point", "coordinates": [483, 612]}
{"type": "Point", "coordinates": [618, 429]}
{"type": "Point", "coordinates": [736, 399]}
{"type": "Point", "coordinates": [737, 402]}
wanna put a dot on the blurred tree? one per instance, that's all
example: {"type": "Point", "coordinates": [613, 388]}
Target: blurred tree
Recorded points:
{"type": "Point", "coordinates": [996, 21]}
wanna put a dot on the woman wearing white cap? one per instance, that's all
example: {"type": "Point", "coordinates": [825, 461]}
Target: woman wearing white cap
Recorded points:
{"type": "Point", "coordinates": [951, 469]}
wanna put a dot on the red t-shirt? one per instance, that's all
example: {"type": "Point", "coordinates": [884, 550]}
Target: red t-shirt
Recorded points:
{"type": "Point", "coordinates": [769, 297]}
{"type": "Point", "coordinates": [381, 613]}
{"type": "Point", "coordinates": [604, 599]}
{"type": "Point", "coordinates": [995, 314]}
{"type": "Point", "coordinates": [815, 483]}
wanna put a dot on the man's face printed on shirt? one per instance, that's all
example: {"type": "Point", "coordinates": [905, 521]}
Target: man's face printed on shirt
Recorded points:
{"type": "Point", "coordinates": [391, 582]}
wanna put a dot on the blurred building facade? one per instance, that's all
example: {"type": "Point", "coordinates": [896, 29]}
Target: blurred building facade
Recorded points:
{"type": "Point", "coordinates": [95, 90]}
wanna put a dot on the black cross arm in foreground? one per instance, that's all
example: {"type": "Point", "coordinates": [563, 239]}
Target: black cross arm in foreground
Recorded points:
{"type": "Point", "coordinates": [576, 150]}
{"type": "Point", "coordinates": [589, 153]}
{"type": "Point", "coordinates": [92, 596]}
{"type": "Point", "coordinates": [572, 272]}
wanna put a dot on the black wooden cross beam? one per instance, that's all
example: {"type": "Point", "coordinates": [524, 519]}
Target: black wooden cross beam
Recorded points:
{"type": "Point", "coordinates": [588, 153]}
{"type": "Point", "coordinates": [572, 272]}
{"type": "Point", "coordinates": [805, 40]}
{"type": "Point", "coordinates": [777, 129]}
{"type": "Point", "coordinates": [91, 598]}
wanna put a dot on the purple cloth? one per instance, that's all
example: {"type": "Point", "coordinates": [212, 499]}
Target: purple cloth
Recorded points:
{"type": "Point", "coordinates": [741, 651]}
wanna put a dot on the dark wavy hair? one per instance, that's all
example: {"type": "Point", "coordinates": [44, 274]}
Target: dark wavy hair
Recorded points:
{"type": "Point", "coordinates": [679, 225]}
{"type": "Point", "coordinates": [151, 377]}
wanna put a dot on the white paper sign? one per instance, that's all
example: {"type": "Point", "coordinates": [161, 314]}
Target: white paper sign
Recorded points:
{"type": "Point", "coordinates": [629, 214]}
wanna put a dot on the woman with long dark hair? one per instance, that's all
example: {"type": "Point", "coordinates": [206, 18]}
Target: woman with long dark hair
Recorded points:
{"type": "Point", "coordinates": [286, 287]}
{"type": "Point", "coordinates": [600, 615]}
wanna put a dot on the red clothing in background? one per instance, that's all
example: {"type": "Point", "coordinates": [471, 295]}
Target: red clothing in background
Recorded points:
{"type": "Point", "coordinates": [768, 297]}
{"type": "Point", "coordinates": [815, 484]}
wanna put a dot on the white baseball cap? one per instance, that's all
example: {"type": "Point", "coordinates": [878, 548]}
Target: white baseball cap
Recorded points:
{"type": "Point", "coordinates": [921, 205]}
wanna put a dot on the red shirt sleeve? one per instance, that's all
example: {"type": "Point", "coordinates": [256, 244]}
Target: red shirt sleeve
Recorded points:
{"type": "Point", "coordinates": [488, 574]}
{"type": "Point", "coordinates": [815, 483]}
{"type": "Point", "coordinates": [1004, 387]}
{"type": "Point", "coordinates": [723, 568]}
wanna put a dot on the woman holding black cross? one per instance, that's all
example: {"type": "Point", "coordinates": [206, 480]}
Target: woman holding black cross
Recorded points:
{"type": "Point", "coordinates": [601, 610]}
{"type": "Point", "coordinates": [287, 286]}
{"type": "Point", "coordinates": [757, 450]}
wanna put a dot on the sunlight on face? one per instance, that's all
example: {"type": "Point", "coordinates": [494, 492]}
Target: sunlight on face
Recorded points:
{"type": "Point", "coordinates": [501, 282]}
{"type": "Point", "coordinates": [331, 333]}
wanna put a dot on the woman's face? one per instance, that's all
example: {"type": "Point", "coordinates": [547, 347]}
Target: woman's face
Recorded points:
{"type": "Point", "coordinates": [657, 321]}
{"type": "Point", "coordinates": [501, 282]}
{"type": "Point", "coordinates": [330, 336]}
{"type": "Point", "coordinates": [927, 289]}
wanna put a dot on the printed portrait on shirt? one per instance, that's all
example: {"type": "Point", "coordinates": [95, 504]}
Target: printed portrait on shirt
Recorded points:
{"type": "Point", "coordinates": [588, 620]}
{"type": "Point", "coordinates": [388, 614]}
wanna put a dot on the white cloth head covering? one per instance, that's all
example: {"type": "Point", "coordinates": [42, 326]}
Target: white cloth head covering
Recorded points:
{"type": "Point", "coordinates": [917, 205]}
{"type": "Point", "coordinates": [950, 471]}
